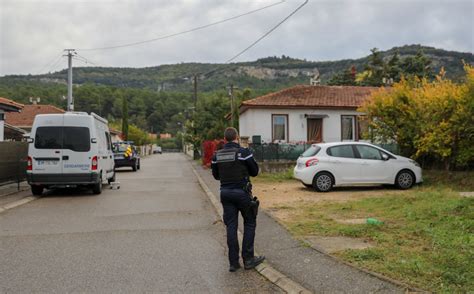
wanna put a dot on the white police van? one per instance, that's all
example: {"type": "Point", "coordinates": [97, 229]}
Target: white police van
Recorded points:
{"type": "Point", "coordinates": [69, 150]}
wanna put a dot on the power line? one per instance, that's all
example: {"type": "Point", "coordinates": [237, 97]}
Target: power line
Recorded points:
{"type": "Point", "coordinates": [182, 32]}
{"type": "Point", "coordinates": [269, 32]}
{"type": "Point", "coordinates": [52, 61]}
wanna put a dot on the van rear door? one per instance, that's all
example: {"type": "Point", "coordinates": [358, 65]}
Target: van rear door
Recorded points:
{"type": "Point", "coordinates": [76, 154]}
{"type": "Point", "coordinates": [47, 153]}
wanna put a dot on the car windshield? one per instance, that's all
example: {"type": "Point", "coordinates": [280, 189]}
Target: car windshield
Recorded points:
{"type": "Point", "coordinates": [312, 151]}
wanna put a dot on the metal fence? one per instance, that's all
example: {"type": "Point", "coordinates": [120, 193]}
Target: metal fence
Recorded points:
{"type": "Point", "coordinates": [13, 158]}
{"type": "Point", "coordinates": [271, 152]}
{"type": "Point", "coordinates": [277, 152]}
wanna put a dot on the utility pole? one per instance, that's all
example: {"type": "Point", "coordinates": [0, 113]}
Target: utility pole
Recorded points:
{"type": "Point", "coordinates": [195, 152]}
{"type": "Point", "coordinates": [231, 95]}
{"type": "Point", "coordinates": [70, 101]}
{"type": "Point", "coordinates": [195, 91]}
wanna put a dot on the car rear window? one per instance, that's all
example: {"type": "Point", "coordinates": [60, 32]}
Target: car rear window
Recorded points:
{"type": "Point", "coordinates": [311, 151]}
{"type": "Point", "coordinates": [72, 138]}
{"type": "Point", "coordinates": [341, 151]}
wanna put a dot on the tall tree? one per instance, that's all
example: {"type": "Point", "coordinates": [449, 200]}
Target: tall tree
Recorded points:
{"type": "Point", "coordinates": [125, 117]}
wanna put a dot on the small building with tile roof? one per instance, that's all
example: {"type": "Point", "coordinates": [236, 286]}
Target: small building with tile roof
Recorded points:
{"type": "Point", "coordinates": [305, 113]}
{"type": "Point", "coordinates": [7, 106]}
{"type": "Point", "coordinates": [24, 119]}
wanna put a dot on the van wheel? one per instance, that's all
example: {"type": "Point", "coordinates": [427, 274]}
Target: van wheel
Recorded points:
{"type": "Point", "coordinates": [37, 190]}
{"type": "Point", "coordinates": [323, 182]}
{"type": "Point", "coordinates": [97, 188]}
{"type": "Point", "coordinates": [134, 166]}
{"type": "Point", "coordinates": [138, 166]}
{"type": "Point", "coordinates": [112, 179]}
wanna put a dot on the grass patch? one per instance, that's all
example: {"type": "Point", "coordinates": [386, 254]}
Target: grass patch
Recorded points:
{"type": "Point", "coordinates": [458, 181]}
{"type": "Point", "coordinates": [427, 239]}
{"type": "Point", "coordinates": [275, 177]}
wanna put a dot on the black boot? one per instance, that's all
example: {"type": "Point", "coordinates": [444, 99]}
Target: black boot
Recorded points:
{"type": "Point", "coordinates": [234, 267]}
{"type": "Point", "coordinates": [253, 262]}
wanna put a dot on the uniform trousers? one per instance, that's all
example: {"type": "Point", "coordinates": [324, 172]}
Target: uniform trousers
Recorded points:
{"type": "Point", "coordinates": [233, 202]}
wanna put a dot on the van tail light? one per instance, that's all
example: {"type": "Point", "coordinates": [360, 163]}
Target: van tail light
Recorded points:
{"type": "Point", "coordinates": [311, 162]}
{"type": "Point", "coordinates": [95, 163]}
{"type": "Point", "coordinates": [29, 163]}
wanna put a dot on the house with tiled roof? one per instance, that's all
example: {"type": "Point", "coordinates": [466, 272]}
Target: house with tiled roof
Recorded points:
{"type": "Point", "coordinates": [305, 113]}
{"type": "Point", "coordinates": [7, 106]}
{"type": "Point", "coordinates": [24, 119]}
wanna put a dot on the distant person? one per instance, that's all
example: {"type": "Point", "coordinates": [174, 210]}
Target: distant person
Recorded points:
{"type": "Point", "coordinates": [233, 166]}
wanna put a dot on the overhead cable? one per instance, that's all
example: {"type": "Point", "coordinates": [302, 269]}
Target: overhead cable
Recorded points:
{"type": "Point", "coordinates": [267, 33]}
{"type": "Point", "coordinates": [182, 32]}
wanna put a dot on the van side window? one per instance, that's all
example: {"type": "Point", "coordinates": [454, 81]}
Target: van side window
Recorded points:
{"type": "Point", "coordinates": [109, 144]}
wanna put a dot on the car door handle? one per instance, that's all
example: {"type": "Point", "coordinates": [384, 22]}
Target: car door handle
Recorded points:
{"type": "Point", "coordinates": [65, 157]}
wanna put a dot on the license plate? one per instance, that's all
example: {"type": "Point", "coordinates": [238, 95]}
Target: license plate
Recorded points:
{"type": "Point", "coordinates": [48, 162]}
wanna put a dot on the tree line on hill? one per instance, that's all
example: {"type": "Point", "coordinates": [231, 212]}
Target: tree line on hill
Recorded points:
{"type": "Point", "coordinates": [160, 99]}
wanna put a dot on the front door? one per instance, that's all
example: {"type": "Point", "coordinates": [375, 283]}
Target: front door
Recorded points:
{"type": "Point", "coordinates": [315, 130]}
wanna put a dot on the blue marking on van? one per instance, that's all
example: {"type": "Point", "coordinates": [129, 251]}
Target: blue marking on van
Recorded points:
{"type": "Point", "coordinates": [81, 166]}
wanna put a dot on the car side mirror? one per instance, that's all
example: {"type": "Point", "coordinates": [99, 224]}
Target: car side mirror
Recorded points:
{"type": "Point", "coordinates": [385, 157]}
{"type": "Point", "coordinates": [93, 140]}
{"type": "Point", "coordinates": [30, 140]}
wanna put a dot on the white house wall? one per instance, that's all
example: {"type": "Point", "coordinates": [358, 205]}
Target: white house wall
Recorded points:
{"type": "Point", "coordinates": [257, 121]}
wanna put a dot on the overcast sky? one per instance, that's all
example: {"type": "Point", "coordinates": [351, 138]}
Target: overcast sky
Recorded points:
{"type": "Point", "coordinates": [33, 33]}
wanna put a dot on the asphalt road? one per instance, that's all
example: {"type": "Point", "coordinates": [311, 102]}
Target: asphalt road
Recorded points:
{"type": "Point", "coordinates": [158, 233]}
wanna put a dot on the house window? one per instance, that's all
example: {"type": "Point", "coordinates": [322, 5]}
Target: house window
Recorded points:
{"type": "Point", "coordinates": [362, 128]}
{"type": "Point", "coordinates": [348, 129]}
{"type": "Point", "coordinates": [280, 127]}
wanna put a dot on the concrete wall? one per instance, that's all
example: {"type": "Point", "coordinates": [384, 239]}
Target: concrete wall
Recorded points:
{"type": "Point", "coordinates": [259, 122]}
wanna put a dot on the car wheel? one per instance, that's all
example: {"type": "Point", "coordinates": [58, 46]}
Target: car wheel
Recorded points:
{"type": "Point", "coordinates": [37, 190]}
{"type": "Point", "coordinates": [405, 180]}
{"type": "Point", "coordinates": [323, 182]}
{"type": "Point", "coordinates": [138, 166]}
{"type": "Point", "coordinates": [112, 179]}
{"type": "Point", "coordinates": [134, 166]}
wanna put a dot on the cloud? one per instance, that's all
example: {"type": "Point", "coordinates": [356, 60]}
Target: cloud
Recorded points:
{"type": "Point", "coordinates": [33, 33]}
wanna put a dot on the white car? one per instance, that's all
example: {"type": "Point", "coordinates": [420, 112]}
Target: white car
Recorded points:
{"type": "Point", "coordinates": [326, 165]}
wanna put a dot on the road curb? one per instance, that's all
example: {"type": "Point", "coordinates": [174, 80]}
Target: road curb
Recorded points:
{"type": "Point", "coordinates": [265, 269]}
{"type": "Point", "coordinates": [17, 203]}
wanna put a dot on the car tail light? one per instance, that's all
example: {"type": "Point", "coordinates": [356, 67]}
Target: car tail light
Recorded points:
{"type": "Point", "coordinates": [95, 163]}
{"type": "Point", "coordinates": [311, 162]}
{"type": "Point", "coordinates": [29, 163]}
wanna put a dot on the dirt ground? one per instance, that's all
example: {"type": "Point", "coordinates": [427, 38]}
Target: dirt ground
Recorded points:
{"type": "Point", "coordinates": [273, 195]}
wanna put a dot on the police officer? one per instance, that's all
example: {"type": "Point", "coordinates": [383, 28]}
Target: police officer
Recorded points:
{"type": "Point", "coordinates": [233, 165]}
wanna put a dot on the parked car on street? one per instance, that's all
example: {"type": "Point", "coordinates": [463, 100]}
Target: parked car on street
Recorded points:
{"type": "Point", "coordinates": [326, 165]}
{"type": "Point", "coordinates": [125, 154]}
{"type": "Point", "coordinates": [157, 149]}
{"type": "Point", "coordinates": [71, 149]}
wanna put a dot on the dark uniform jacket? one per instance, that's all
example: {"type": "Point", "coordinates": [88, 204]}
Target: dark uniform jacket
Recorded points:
{"type": "Point", "coordinates": [245, 157]}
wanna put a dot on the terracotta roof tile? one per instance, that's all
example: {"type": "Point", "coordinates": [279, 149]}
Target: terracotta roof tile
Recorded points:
{"type": "Point", "coordinates": [27, 115]}
{"type": "Point", "coordinates": [11, 103]}
{"type": "Point", "coordinates": [313, 96]}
